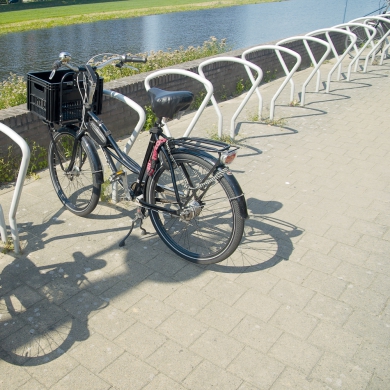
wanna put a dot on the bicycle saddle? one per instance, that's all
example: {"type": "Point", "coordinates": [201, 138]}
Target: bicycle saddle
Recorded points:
{"type": "Point", "coordinates": [168, 103]}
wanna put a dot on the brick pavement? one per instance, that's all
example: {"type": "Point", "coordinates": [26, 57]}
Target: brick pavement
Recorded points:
{"type": "Point", "coordinates": [302, 304]}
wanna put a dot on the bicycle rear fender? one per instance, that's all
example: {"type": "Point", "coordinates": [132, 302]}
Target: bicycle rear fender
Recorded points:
{"type": "Point", "coordinates": [88, 144]}
{"type": "Point", "coordinates": [238, 193]}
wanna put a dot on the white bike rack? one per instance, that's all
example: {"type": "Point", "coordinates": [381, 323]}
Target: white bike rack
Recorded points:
{"type": "Point", "coordinates": [140, 124]}
{"type": "Point", "coordinates": [370, 32]}
{"type": "Point", "coordinates": [18, 188]}
{"type": "Point", "coordinates": [383, 18]}
{"type": "Point", "coordinates": [182, 72]}
{"type": "Point", "coordinates": [316, 64]}
{"type": "Point", "coordinates": [289, 73]}
{"type": "Point", "coordinates": [339, 58]}
{"type": "Point", "coordinates": [255, 84]}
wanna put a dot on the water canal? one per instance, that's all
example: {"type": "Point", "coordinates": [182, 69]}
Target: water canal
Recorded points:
{"type": "Point", "coordinates": [242, 26]}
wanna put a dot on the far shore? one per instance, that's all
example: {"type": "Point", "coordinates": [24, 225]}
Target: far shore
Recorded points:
{"type": "Point", "coordinates": [87, 12]}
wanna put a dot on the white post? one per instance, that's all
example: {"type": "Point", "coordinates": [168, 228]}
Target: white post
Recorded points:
{"type": "Point", "coordinates": [19, 183]}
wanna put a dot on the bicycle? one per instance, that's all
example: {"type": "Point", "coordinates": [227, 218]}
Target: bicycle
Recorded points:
{"type": "Point", "coordinates": [196, 205]}
{"type": "Point", "coordinates": [361, 33]}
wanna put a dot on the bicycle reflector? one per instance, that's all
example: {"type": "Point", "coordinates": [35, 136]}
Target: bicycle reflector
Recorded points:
{"type": "Point", "coordinates": [228, 156]}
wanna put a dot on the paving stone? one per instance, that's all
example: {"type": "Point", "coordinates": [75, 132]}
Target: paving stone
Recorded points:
{"type": "Point", "coordinates": [354, 274]}
{"type": "Point", "coordinates": [256, 334]}
{"type": "Point", "coordinates": [220, 316]}
{"type": "Point", "coordinates": [291, 271]}
{"type": "Point", "coordinates": [295, 353]}
{"type": "Point", "coordinates": [188, 300]}
{"type": "Point", "coordinates": [368, 326]}
{"type": "Point", "coordinates": [49, 373]}
{"type": "Point", "coordinates": [325, 284]}
{"type": "Point", "coordinates": [174, 361]}
{"type": "Point", "coordinates": [150, 311]}
{"type": "Point", "coordinates": [293, 379]}
{"type": "Point", "coordinates": [257, 369]}
{"type": "Point", "coordinates": [329, 309]}
{"type": "Point", "coordinates": [182, 329]}
{"type": "Point", "coordinates": [128, 370]}
{"type": "Point", "coordinates": [140, 340]}
{"type": "Point", "coordinates": [364, 299]}
{"type": "Point", "coordinates": [210, 376]}
{"type": "Point", "coordinates": [110, 322]}
{"type": "Point", "coordinates": [224, 290]}
{"type": "Point", "coordinates": [337, 372]}
{"type": "Point", "coordinates": [122, 296]}
{"type": "Point", "coordinates": [374, 358]}
{"type": "Point", "coordinates": [334, 339]}
{"type": "Point", "coordinates": [162, 382]}
{"type": "Point", "coordinates": [257, 305]}
{"type": "Point", "coordinates": [158, 285]}
{"type": "Point", "coordinates": [216, 347]}
{"type": "Point", "coordinates": [12, 376]}
{"type": "Point", "coordinates": [291, 321]}
{"type": "Point", "coordinates": [353, 254]}
{"type": "Point", "coordinates": [83, 379]}
{"type": "Point", "coordinates": [291, 294]}
{"type": "Point", "coordinates": [320, 262]}
{"type": "Point", "coordinates": [317, 243]}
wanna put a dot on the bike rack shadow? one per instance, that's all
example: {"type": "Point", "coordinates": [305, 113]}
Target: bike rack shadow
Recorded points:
{"type": "Point", "coordinates": [45, 309]}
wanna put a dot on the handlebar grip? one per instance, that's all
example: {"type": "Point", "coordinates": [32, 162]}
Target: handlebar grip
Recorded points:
{"type": "Point", "coordinates": [57, 65]}
{"type": "Point", "coordinates": [135, 59]}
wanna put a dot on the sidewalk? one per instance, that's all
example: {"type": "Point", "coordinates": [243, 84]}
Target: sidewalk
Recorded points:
{"type": "Point", "coordinates": [302, 304]}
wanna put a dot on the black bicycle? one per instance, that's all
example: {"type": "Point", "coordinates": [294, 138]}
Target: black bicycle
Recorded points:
{"type": "Point", "coordinates": [195, 203]}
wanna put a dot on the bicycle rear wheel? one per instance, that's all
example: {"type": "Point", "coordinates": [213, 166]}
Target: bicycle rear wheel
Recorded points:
{"type": "Point", "coordinates": [77, 186]}
{"type": "Point", "coordinates": [211, 228]}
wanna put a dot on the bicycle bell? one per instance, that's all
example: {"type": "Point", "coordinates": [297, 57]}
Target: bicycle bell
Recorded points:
{"type": "Point", "coordinates": [65, 57]}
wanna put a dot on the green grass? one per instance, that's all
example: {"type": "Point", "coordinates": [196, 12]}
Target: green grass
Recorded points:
{"type": "Point", "coordinates": [28, 16]}
{"type": "Point", "coordinates": [13, 89]}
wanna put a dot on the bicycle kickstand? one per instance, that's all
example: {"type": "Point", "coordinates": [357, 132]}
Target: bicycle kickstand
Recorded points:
{"type": "Point", "coordinates": [138, 216]}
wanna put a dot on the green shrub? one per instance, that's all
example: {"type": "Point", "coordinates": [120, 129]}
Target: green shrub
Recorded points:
{"type": "Point", "coordinates": [9, 165]}
{"type": "Point", "coordinates": [12, 91]}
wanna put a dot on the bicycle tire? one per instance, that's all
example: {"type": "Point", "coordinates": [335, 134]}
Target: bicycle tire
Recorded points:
{"type": "Point", "coordinates": [362, 38]}
{"type": "Point", "coordinates": [79, 189]}
{"type": "Point", "coordinates": [215, 232]}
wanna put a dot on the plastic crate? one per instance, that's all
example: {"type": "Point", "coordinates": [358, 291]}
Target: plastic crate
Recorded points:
{"type": "Point", "coordinates": [44, 96]}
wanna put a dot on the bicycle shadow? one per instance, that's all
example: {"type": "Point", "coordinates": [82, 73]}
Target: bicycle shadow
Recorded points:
{"type": "Point", "coordinates": [46, 306]}
{"type": "Point", "coordinates": [266, 241]}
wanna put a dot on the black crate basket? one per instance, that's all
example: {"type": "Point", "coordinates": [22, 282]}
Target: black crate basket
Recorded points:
{"type": "Point", "coordinates": [58, 100]}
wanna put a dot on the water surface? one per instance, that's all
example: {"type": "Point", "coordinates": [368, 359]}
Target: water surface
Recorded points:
{"type": "Point", "coordinates": [242, 26]}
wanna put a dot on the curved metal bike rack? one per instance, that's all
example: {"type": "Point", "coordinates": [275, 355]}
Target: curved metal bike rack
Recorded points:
{"type": "Point", "coordinates": [358, 51]}
{"type": "Point", "coordinates": [140, 124]}
{"type": "Point", "coordinates": [339, 58]}
{"type": "Point", "coordinates": [248, 65]}
{"type": "Point", "coordinates": [385, 18]}
{"type": "Point", "coordinates": [18, 188]}
{"type": "Point", "coordinates": [317, 64]}
{"type": "Point", "coordinates": [289, 73]}
{"type": "Point", "coordinates": [208, 86]}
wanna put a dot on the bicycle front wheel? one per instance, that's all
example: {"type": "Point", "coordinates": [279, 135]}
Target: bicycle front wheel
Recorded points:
{"type": "Point", "coordinates": [210, 226]}
{"type": "Point", "coordinates": [362, 38]}
{"type": "Point", "coordinates": [78, 185]}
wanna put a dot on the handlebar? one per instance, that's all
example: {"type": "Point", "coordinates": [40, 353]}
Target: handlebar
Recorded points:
{"type": "Point", "coordinates": [121, 58]}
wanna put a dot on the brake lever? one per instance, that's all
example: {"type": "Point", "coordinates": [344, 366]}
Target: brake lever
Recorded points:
{"type": "Point", "coordinates": [121, 65]}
